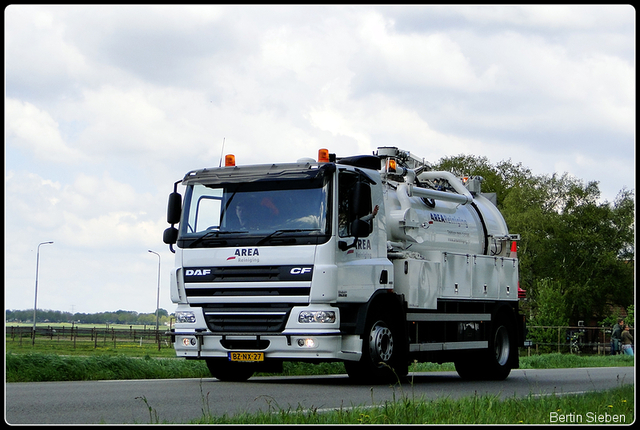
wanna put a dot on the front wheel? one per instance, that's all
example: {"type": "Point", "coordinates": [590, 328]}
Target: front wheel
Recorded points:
{"type": "Point", "coordinates": [384, 357]}
{"type": "Point", "coordinates": [227, 371]}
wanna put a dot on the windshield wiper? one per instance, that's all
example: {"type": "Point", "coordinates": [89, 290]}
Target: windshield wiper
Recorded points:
{"type": "Point", "coordinates": [214, 234]}
{"type": "Point", "coordinates": [279, 232]}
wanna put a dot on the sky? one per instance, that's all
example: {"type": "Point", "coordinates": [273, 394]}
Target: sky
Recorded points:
{"type": "Point", "coordinates": [107, 106]}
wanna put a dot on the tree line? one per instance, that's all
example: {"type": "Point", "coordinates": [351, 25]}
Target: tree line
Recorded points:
{"type": "Point", "coordinates": [576, 252]}
{"type": "Point", "coordinates": [117, 317]}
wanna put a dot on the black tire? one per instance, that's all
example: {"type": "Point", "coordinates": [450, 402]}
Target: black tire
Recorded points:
{"type": "Point", "coordinates": [227, 371]}
{"type": "Point", "coordinates": [495, 363]}
{"type": "Point", "coordinates": [384, 355]}
{"type": "Point", "coordinates": [471, 369]}
{"type": "Point", "coordinates": [502, 346]}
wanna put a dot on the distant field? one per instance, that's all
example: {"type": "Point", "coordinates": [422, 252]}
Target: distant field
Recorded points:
{"type": "Point", "coordinates": [89, 339]}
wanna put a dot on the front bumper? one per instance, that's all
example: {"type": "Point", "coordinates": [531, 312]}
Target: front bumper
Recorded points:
{"type": "Point", "coordinates": [298, 341]}
{"type": "Point", "coordinates": [308, 346]}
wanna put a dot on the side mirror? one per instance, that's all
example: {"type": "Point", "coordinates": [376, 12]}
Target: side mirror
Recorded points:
{"type": "Point", "coordinates": [361, 228]}
{"type": "Point", "coordinates": [174, 208]}
{"type": "Point", "coordinates": [170, 236]}
{"type": "Point", "coordinates": [361, 198]}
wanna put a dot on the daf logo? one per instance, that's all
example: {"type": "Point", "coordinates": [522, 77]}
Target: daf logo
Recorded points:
{"type": "Point", "coordinates": [300, 270]}
{"type": "Point", "coordinates": [198, 272]}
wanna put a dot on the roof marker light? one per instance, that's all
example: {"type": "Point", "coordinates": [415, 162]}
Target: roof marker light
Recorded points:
{"type": "Point", "coordinates": [323, 155]}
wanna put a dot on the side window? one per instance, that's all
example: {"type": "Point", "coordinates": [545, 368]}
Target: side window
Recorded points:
{"type": "Point", "coordinates": [346, 182]}
{"type": "Point", "coordinates": [354, 203]}
{"type": "Point", "coordinates": [204, 210]}
{"type": "Point", "coordinates": [208, 214]}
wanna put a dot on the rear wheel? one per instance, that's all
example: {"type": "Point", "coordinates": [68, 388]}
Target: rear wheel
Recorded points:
{"type": "Point", "coordinates": [501, 349]}
{"type": "Point", "coordinates": [470, 368]}
{"type": "Point", "coordinates": [494, 363]}
{"type": "Point", "coordinates": [225, 370]}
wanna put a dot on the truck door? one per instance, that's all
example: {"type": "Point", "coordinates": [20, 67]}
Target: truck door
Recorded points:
{"type": "Point", "coordinates": [362, 267]}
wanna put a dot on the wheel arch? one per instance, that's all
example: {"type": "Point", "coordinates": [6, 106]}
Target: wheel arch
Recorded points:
{"type": "Point", "coordinates": [381, 300]}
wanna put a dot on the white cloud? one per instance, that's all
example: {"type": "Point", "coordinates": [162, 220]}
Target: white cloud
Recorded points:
{"type": "Point", "coordinates": [35, 130]}
{"type": "Point", "coordinates": [549, 17]}
{"type": "Point", "coordinates": [93, 212]}
{"type": "Point", "coordinates": [416, 61]}
{"type": "Point", "coordinates": [101, 229]}
{"type": "Point", "coordinates": [40, 59]}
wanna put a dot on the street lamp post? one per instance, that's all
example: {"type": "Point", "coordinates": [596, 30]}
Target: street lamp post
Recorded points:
{"type": "Point", "coordinates": [35, 303]}
{"type": "Point", "coordinates": [158, 296]}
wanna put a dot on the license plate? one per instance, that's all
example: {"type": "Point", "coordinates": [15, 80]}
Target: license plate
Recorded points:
{"type": "Point", "coordinates": [246, 356]}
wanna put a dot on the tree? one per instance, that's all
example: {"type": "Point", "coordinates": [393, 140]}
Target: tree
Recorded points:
{"type": "Point", "coordinates": [591, 252]}
{"type": "Point", "coordinates": [631, 316]}
{"type": "Point", "coordinates": [148, 319]}
{"type": "Point", "coordinates": [550, 311]}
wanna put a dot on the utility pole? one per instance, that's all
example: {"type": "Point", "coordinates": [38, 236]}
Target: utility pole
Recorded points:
{"type": "Point", "coordinates": [158, 296]}
{"type": "Point", "coordinates": [35, 303]}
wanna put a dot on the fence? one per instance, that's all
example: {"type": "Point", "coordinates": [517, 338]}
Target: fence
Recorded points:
{"type": "Point", "coordinates": [574, 340]}
{"type": "Point", "coordinates": [86, 337]}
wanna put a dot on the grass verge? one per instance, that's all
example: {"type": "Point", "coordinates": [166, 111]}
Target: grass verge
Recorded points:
{"type": "Point", "coordinates": [37, 367]}
{"type": "Point", "coordinates": [614, 406]}
{"type": "Point", "coordinates": [89, 348]}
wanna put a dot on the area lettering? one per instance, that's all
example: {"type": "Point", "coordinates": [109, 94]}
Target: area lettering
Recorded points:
{"type": "Point", "coordinates": [363, 244]}
{"type": "Point", "coordinates": [246, 252]}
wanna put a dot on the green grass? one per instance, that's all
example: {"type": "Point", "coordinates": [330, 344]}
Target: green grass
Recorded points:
{"type": "Point", "coordinates": [564, 361]}
{"type": "Point", "coordinates": [89, 348]}
{"type": "Point", "coordinates": [616, 404]}
{"type": "Point", "coordinates": [610, 406]}
{"type": "Point", "coordinates": [37, 366]}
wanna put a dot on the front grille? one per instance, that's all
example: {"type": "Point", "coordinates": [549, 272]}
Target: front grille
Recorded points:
{"type": "Point", "coordinates": [262, 318]}
{"type": "Point", "coordinates": [245, 281]}
{"type": "Point", "coordinates": [267, 290]}
{"type": "Point", "coordinates": [289, 273]}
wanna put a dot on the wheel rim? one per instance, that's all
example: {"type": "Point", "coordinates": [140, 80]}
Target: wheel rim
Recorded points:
{"type": "Point", "coordinates": [380, 343]}
{"type": "Point", "coordinates": [502, 345]}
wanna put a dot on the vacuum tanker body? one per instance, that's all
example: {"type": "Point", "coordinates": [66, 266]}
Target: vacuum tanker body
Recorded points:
{"type": "Point", "coordinates": [473, 228]}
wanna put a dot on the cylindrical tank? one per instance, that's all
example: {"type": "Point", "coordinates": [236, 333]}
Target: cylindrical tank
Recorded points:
{"type": "Point", "coordinates": [476, 227]}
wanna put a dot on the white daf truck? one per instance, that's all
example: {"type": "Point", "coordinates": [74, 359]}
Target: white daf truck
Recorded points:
{"type": "Point", "coordinates": [374, 260]}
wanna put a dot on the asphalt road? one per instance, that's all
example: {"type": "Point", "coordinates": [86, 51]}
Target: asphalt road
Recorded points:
{"type": "Point", "coordinates": [182, 400]}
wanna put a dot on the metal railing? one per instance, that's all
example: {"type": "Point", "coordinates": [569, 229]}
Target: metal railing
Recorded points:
{"type": "Point", "coordinates": [570, 339]}
{"type": "Point", "coordinates": [540, 339]}
{"type": "Point", "coordinates": [107, 336]}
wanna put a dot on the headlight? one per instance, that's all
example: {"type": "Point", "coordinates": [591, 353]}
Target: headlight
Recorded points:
{"type": "Point", "coordinates": [185, 317]}
{"type": "Point", "coordinates": [317, 317]}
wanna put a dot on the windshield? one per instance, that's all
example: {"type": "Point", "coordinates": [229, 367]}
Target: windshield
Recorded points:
{"type": "Point", "coordinates": [254, 213]}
